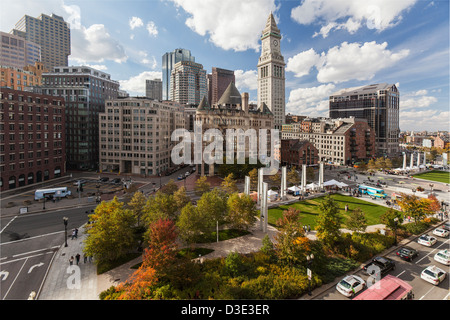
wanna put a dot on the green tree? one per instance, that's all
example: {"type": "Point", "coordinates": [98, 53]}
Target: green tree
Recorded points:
{"type": "Point", "coordinates": [357, 221]}
{"type": "Point", "coordinates": [201, 186]}
{"type": "Point", "coordinates": [275, 180]}
{"type": "Point", "coordinates": [328, 223]}
{"type": "Point", "coordinates": [241, 211]}
{"type": "Point", "coordinates": [371, 165]}
{"type": "Point", "coordinates": [170, 188]}
{"type": "Point", "coordinates": [137, 204]}
{"type": "Point", "coordinates": [267, 246]}
{"type": "Point", "coordinates": [159, 206]}
{"type": "Point", "coordinates": [380, 163]}
{"type": "Point", "coordinates": [190, 223]}
{"type": "Point", "coordinates": [388, 218]}
{"type": "Point", "coordinates": [388, 164]}
{"type": "Point", "coordinates": [293, 177]}
{"type": "Point", "coordinates": [181, 198]}
{"type": "Point", "coordinates": [213, 206]}
{"type": "Point", "coordinates": [253, 174]}
{"type": "Point", "coordinates": [229, 184]}
{"type": "Point", "coordinates": [110, 234]}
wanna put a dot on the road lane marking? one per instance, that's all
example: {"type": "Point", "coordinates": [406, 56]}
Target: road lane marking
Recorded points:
{"type": "Point", "coordinates": [31, 238]}
{"type": "Point", "coordinates": [401, 273]}
{"type": "Point", "coordinates": [35, 266]}
{"type": "Point", "coordinates": [29, 252]}
{"type": "Point", "coordinates": [36, 255]}
{"type": "Point", "coordinates": [23, 265]}
{"type": "Point", "coordinates": [426, 293]}
{"type": "Point", "coordinates": [7, 224]}
{"type": "Point", "coordinates": [432, 251]}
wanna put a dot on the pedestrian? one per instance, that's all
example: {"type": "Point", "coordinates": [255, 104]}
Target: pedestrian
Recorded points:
{"type": "Point", "coordinates": [76, 233]}
{"type": "Point", "coordinates": [309, 228]}
{"type": "Point", "coordinates": [346, 207]}
{"type": "Point", "coordinates": [73, 234]}
{"type": "Point", "coordinates": [85, 257]}
{"type": "Point", "coordinates": [90, 258]}
{"type": "Point", "coordinates": [78, 258]}
{"type": "Point", "coordinates": [71, 260]}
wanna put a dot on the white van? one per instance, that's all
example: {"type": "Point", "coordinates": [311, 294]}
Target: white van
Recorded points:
{"type": "Point", "coordinates": [52, 193]}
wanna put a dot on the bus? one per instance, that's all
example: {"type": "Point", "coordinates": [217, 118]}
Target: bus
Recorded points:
{"type": "Point", "coordinates": [388, 288]}
{"type": "Point", "coordinates": [372, 191]}
{"type": "Point", "coordinates": [61, 192]}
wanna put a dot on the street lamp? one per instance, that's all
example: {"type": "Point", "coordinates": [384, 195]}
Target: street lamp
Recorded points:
{"type": "Point", "coordinates": [431, 186]}
{"type": "Point", "coordinates": [309, 260]}
{"type": "Point", "coordinates": [65, 220]}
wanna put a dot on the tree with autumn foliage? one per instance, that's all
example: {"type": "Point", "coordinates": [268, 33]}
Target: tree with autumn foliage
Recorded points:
{"type": "Point", "coordinates": [241, 211]}
{"type": "Point", "coordinates": [434, 204]}
{"type": "Point", "coordinates": [415, 207]}
{"type": "Point", "coordinates": [229, 184]}
{"type": "Point", "coordinates": [159, 206]}
{"type": "Point", "coordinates": [291, 244]}
{"type": "Point", "coordinates": [110, 232]}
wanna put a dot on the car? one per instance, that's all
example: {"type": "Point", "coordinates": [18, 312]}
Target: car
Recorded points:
{"type": "Point", "coordinates": [180, 177]}
{"type": "Point", "coordinates": [443, 257]}
{"type": "Point", "coordinates": [187, 174]}
{"type": "Point", "coordinates": [80, 181]}
{"type": "Point", "coordinates": [446, 226]}
{"type": "Point", "coordinates": [350, 285]}
{"type": "Point", "coordinates": [433, 275]}
{"type": "Point", "coordinates": [116, 180]}
{"type": "Point", "coordinates": [426, 240]}
{"type": "Point", "coordinates": [407, 253]}
{"type": "Point", "coordinates": [440, 232]}
{"type": "Point", "coordinates": [379, 266]}
{"type": "Point", "coordinates": [103, 179]}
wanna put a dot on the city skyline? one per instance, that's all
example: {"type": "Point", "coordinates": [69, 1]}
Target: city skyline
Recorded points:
{"type": "Point", "coordinates": [327, 45]}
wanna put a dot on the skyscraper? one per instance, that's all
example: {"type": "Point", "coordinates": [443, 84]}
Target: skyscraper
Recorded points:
{"type": "Point", "coordinates": [85, 91]}
{"type": "Point", "coordinates": [153, 89]}
{"type": "Point", "coordinates": [169, 60]}
{"type": "Point", "coordinates": [218, 83]}
{"type": "Point", "coordinates": [271, 76]}
{"type": "Point", "coordinates": [188, 83]}
{"type": "Point", "coordinates": [52, 33]}
{"type": "Point", "coordinates": [379, 104]}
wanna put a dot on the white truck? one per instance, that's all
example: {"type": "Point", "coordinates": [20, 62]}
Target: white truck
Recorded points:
{"type": "Point", "coordinates": [61, 192]}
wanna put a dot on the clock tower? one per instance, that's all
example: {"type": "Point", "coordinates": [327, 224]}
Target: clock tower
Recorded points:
{"type": "Point", "coordinates": [271, 78]}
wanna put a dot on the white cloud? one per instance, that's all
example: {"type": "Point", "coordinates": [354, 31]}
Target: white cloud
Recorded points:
{"type": "Point", "coordinates": [310, 101]}
{"type": "Point", "coordinates": [74, 18]}
{"type": "Point", "coordinates": [136, 85]}
{"type": "Point", "coordinates": [135, 22]}
{"type": "Point", "coordinates": [100, 67]}
{"type": "Point", "coordinates": [353, 61]}
{"type": "Point", "coordinates": [151, 28]}
{"type": "Point", "coordinates": [351, 14]}
{"type": "Point", "coordinates": [429, 119]}
{"type": "Point", "coordinates": [231, 24]}
{"type": "Point", "coordinates": [345, 62]}
{"type": "Point", "coordinates": [246, 80]}
{"type": "Point", "coordinates": [94, 44]}
{"type": "Point", "coordinates": [418, 99]}
{"type": "Point", "coordinates": [302, 63]}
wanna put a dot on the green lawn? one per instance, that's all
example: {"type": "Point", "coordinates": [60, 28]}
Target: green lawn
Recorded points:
{"type": "Point", "coordinates": [310, 209]}
{"type": "Point", "coordinates": [435, 175]}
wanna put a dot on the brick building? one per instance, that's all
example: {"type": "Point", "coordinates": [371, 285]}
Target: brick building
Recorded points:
{"type": "Point", "coordinates": [32, 138]}
{"type": "Point", "coordinates": [295, 152]}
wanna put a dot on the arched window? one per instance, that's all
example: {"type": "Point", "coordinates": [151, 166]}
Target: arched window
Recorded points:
{"type": "Point", "coordinates": [12, 182]}
{"type": "Point", "coordinates": [21, 180]}
{"type": "Point", "coordinates": [30, 178]}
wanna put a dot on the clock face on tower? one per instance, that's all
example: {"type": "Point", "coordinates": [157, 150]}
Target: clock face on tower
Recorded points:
{"type": "Point", "coordinates": [275, 43]}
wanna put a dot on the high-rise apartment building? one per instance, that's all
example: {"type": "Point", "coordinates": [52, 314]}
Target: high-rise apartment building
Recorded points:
{"type": "Point", "coordinates": [85, 90]}
{"type": "Point", "coordinates": [52, 33]}
{"type": "Point", "coordinates": [32, 138]}
{"type": "Point", "coordinates": [17, 52]}
{"type": "Point", "coordinates": [135, 135]}
{"type": "Point", "coordinates": [271, 73]}
{"type": "Point", "coordinates": [153, 89]}
{"type": "Point", "coordinates": [218, 81]}
{"type": "Point", "coordinates": [379, 104]}
{"type": "Point", "coordinates": [169, 60]}
{"type": "Point", "coordinates": [188, 83]}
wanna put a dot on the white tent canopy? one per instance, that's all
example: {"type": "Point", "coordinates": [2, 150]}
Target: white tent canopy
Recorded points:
{"type": "Point", "coordinates": [331, 183]}
{"type": "Point", "coordinates": [312, 186]}
{"type": "Point", "coordinates": [294, 188]}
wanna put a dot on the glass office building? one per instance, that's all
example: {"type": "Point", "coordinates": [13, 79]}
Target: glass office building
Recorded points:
{"type": "Point", "coordinates": [379, 104]}
{"type": "Point", "coordinates": [169, 60]}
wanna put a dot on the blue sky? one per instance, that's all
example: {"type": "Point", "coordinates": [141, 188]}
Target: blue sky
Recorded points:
{"type": "Point", "coordinates": [328, 45]}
